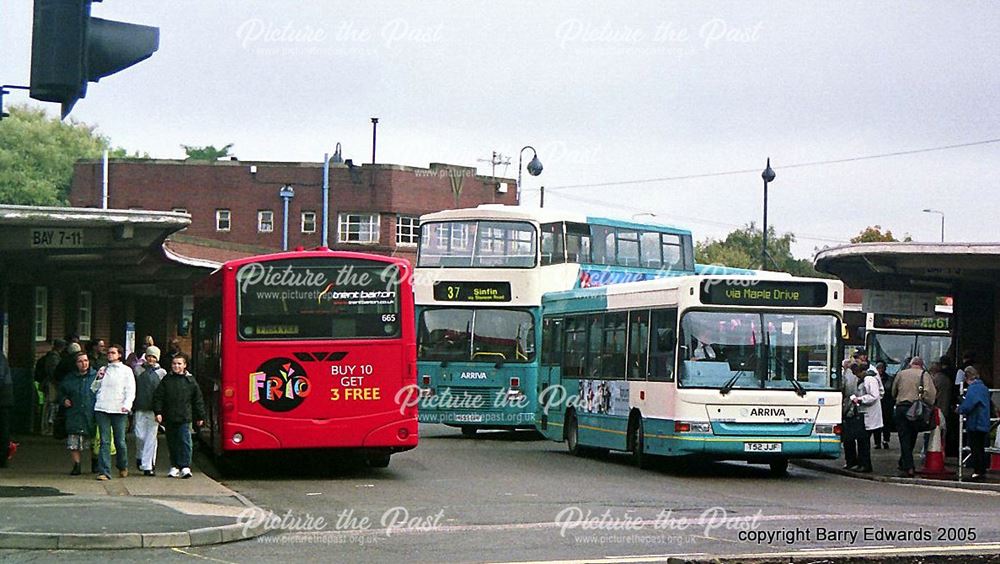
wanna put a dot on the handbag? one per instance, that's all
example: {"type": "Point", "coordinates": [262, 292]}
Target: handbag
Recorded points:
{"type": "Point", "coordinates": [920, 412]}
{"type": "Point", "coordinates": [854, 423]}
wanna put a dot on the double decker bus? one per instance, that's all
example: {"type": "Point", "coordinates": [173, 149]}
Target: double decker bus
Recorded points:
{"type": "Point", "coordinates": [728, 368]}
{"type": "Point", "coordinates": [307, 350]}
{"type": "Point", "coordinates": [480, 276]}
{"type": "Point", "coordinates": [893, 339]}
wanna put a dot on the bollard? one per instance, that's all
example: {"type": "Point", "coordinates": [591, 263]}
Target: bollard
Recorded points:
{"type": "Point", "coordinates": [934, 462]}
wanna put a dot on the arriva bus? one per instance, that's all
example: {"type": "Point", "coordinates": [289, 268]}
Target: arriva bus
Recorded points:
{"type": "Point", "coordinates": [893, 339]}
{"type": "Point", "coordinates": [728, 368]}
{"type": "Point", "coordinates": [480, 276]}
{"type": "Point", "coordinates": [307, 350]}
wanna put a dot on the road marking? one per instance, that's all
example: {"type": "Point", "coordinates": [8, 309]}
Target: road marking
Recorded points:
{"type": "Point", "coordinates": [846, 551]}
{"type": "Point", "coordinates": [209, 558]}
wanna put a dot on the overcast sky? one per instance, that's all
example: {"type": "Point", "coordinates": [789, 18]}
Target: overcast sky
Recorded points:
{"type": "Point", "coordinates": [607, 92]}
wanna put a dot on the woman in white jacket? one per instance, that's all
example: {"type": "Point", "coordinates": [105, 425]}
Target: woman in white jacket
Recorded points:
{"type": "Point", "coordinates": [115, 387]}
{"type": "Point", "coordinates": [867, 398]}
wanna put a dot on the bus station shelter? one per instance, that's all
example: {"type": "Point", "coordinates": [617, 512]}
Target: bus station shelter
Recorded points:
{"type": "Point", "coordinates": [968, 272]}
{"type": "Point", "coordinates": [97, 273]}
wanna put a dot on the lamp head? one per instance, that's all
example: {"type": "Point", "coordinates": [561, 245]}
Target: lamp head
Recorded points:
{"type": "Point", "coordinates": [768, 174]}
{"type": "Point", "coordinates": [535, 166]}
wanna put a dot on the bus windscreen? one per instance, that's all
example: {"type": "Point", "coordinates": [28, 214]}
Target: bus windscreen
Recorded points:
{"type": "Point", "coordinates": [317, 299]}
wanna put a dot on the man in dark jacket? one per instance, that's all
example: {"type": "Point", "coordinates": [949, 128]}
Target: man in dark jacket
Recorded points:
{"type": "Point", "coordinates": [46, 376]}
{"type": "Point", "coordinates": [177, 402]}
{"type": "Point", "coordinates": [6, 403]}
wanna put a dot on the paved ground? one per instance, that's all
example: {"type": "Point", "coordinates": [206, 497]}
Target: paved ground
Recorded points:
{"type": "Point", "coordinates": [511, 497]}
{"type": "Point", "coordinates": [42, 506]}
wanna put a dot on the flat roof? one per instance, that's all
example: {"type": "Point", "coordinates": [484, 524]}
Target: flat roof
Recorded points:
{"type": "Point", "coordinates": [918, 267]}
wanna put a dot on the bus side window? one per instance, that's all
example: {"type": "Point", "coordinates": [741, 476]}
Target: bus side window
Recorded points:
{"type": "Point", "coordinates": [638, 344]}
{"type": "Point", "coordinates": [595, 322]}
{"type": "Point", "coordinates": [574, 361]}
{"type": "Point", "coordinates": [613, 347]}
{"type": "Point", "coordinates": [552, 329]}
{"type": "Point", "coordinates": [663, 337]}
{"type": "Point", "coordinates": [553, 251]}
{"type": "Point", "coordinates": [577, 243]}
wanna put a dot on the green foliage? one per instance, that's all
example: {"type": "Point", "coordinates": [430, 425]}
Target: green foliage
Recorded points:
{"type": "Point", "coordinates": [206, 153]}
{"type": "Point", "coordinates": [741, 249]}
{"type": "Point", "coordinates": [37, 154]}
{"type": "Point", "coordinates": [874, 234]}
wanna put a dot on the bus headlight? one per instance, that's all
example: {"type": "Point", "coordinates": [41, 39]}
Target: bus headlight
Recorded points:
{"type": "Point", "coordinates": [692, 427]}
{"type": "Point", "coordinates": [237, 438]}
{"type": "Point", "coordinates": [827, 429]}
{"type": "Point", "coordinates": [514, 394]}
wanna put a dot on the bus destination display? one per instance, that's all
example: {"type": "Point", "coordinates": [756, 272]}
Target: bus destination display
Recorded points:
{"type": "Point", "coordinates": [883, 321]}
{"type": "Point", "coordinates": [472, 291]}
{"type": "Point", "coordinates": [752, 292]}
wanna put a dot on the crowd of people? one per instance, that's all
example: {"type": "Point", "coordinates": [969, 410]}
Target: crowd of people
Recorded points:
{"type": "Point", "coordinates": [877, 403]}
{"type": "Point", "coordinates": [93, 397]}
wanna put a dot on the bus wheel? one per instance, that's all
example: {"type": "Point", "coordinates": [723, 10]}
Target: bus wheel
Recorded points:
{"type": "Point", "coordinates": [779, 467]}
{"type": "Point", "coordinates": [378, 459]}
{"type": "Point", "coordinates": [469, 431]}
{"type": "Point", "coordinates": [573, 436]}
{"type": "Point", "coordinates": [639, 455]}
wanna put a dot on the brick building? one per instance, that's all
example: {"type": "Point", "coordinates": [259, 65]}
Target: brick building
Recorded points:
{"type": "Point", "coordinates": [235, 206]}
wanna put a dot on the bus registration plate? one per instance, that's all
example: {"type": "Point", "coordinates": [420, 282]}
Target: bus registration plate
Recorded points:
{"type": "Point", "coordinates": [468, 418]}
{"type": "Point", "coordinates": [761, 447]}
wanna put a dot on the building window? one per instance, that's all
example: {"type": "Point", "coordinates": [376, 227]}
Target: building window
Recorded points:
{"type": "Point", "coordinates": [179, 210]}
{"type": "Point", "coordinates": [222, 220]}
{"type": "Point", "coordinates": [265, 221]}
{"type": "Point", "coordinates": [407, 230]}
{"type": "Point", "coordinates": [358, 228]}
{"type": "Point", "coordinates": [308, 222]}
{"type": "Point", "coordinates": [85, 317]}
{"type": "Point", "coordinates": [41, 313]}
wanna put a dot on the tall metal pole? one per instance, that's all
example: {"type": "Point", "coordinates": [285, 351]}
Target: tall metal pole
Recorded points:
{"type": "Point", "coordinates": [941, 213]}
{"type": "Point", "coordinates": [326, 198]}
{"type": "Point", "coordinates": [541, 197]}
{"type": "Point", "coordinates": [374, 127]}
{"type": "Point", "coordinates": [286, 193]}
{"type": "Point", "coordinates": [768, 176]}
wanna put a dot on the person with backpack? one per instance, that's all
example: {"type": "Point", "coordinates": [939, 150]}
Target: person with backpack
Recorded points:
{"type": "Point", "coordinates": [177, 402]}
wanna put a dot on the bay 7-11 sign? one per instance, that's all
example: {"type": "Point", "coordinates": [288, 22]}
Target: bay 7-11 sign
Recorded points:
{"type": "Point", "coordinates": [56, 238]}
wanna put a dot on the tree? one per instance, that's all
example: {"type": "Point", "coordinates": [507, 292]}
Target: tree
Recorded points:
{"type": "Point", "coordinates": [206, 153]}
{"type": "Point", "coordinates": [741, 249]}
{"type": "Point", "coordinates": [874, 234]}
{"type": "Point", "coordinates": [37, 154]}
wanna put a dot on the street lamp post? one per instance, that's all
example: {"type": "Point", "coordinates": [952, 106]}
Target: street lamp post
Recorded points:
{"type": "Point", "coordinates": [941, 213]}
{"type": "Point", "coordinates": [327, 159]}
{"type": "Point", "coordinates": [286, 194]}
{"type": "Point", "coordinates": [768, 176]}
{"type": "Point", "coordinates": [534, 167]}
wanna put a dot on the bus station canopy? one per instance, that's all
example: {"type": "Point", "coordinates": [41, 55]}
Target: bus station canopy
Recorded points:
{"type": "Point", "coordinates": [118, 246]}
{"type": "Point", "coordinates": [913, 267]}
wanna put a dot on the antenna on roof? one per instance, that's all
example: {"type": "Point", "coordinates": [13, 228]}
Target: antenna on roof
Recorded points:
{"type": "Point", "coordinates": [496, 159]}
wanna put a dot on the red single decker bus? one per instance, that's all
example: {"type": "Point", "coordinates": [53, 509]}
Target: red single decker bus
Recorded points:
{"type": "Point", "coordinates": [307, 350]}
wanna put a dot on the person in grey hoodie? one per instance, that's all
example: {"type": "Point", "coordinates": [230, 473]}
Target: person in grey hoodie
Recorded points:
{"type": "Point", "coordinates": [147, 379]}
{"type": "Point", "coordinates": [115, 387]}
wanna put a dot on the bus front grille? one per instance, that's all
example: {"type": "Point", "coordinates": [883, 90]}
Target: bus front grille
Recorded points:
{"type": "Point", "coordinates": [470, 399]}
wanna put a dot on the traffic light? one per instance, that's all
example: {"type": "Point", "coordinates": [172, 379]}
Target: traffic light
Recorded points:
{"type": "Point", "coordinates": [69, 48]}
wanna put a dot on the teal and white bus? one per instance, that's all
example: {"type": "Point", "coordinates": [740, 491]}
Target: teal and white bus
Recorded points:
{"type": "Point", "coordinates": [479, 280]}
{"type": "Point", "coordinates": [894, 339]}
{"type": "Point", "coordinates": [728, 368]}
